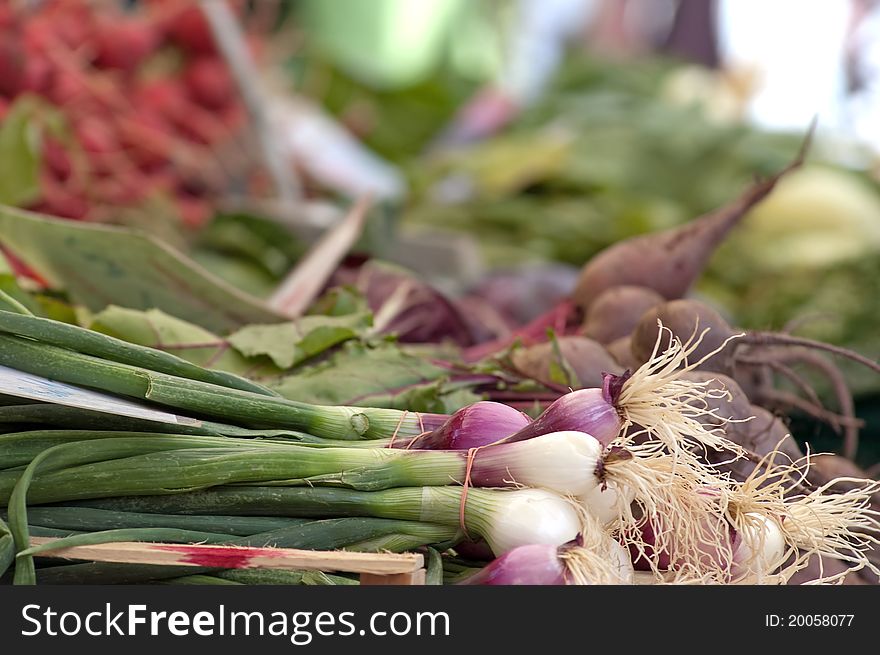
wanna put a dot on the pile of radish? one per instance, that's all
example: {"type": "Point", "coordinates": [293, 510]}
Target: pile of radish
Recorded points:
{"type": "Point", "coordinates": [146, 99]}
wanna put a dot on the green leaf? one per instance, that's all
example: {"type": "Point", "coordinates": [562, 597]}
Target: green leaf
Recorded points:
{"type": "Point", "coordinates": [156, 329]}
{"type": "Point", "coordinates": [438, 397]}
{"type": "Point", "coordinates": [20, 156]}
{"type": "Point", "coordinates": [339, 301]}
{"type": "Point", "coordinates": [102, 265]}
{"type": "Point", "coordinates": [368, 376]}
{"type": "Point", "coordinates": [561, 371]}
{"type": "Point", "coordinates": [289, 344]}
{"type": "Point", "coordinates": [39, 304]}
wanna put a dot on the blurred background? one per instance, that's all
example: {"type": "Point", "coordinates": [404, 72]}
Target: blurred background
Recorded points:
{"type": "Point", "coordinates": [502, 143]}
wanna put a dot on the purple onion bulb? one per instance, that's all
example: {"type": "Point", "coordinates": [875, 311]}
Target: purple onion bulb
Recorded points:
{"type": "Point", "coordinates": [479, 424]}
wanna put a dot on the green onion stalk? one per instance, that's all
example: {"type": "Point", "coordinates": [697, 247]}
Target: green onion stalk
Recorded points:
{"type": "Point", "coordinates": [19, 448]}
{"type": "Point", "coordinates": [7, 547]}
{"type": "Point", "coordinates": [63, 417]}
{"type": "Point", "coordinates": [87, 519]}
{"type": "Point", "coordinates": [504, 518]}
{"type": "Point", "coordinates": [246, 408]}
{"type": "Point", "coordinates": [568, 463]}
{"type": "Point", "coordinates": [325, 534]}
{"type": "Point", "coordinates": [89, 342]}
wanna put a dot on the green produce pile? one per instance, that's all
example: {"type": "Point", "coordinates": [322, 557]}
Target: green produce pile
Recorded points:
{"type": "Point", "coordinates": [327, 432]}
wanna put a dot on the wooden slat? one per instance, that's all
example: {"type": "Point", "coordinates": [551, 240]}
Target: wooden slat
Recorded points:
{"type": "Point", "coordinates": [239, 557]}
{"type": "Point", "coordinates": [411, 578]}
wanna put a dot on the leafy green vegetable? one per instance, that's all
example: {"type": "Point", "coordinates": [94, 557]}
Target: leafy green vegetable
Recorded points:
{"type": "Point", "coordinates": [156, 329]}
{"type": "Point", "coordinates": [359, 374]}
{"type": "Point", "coordinates": [101, 265]}
{"type": "Point", "coordinates": [20, 153]}
{"type": "Point", "coordinates": [289, 344]}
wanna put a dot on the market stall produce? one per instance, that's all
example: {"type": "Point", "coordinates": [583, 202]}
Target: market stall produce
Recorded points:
{"type": "Point", "coordinates": [181, 369]}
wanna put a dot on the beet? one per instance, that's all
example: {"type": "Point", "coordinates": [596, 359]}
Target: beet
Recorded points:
{"type": "Point", "coordinates": [616, 312]}
{"type": "Point", "coordinates": [683, 318]}
{"type": "Point", "coordinates": [669, 262]}
{"type": "Point", "coordinates": [407, 306]}
{"type": "Point", "coordinates": [587, 359]}
{"type": "Point", "coordinates": [621, 351]}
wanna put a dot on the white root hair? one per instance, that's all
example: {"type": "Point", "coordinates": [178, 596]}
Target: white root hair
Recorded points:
{"type": "Point", "coordinates": [835, 524]}
{"type": "Point", "coordinates": [671, 410]}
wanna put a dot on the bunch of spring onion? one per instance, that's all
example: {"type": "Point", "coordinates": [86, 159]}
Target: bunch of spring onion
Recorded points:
{"type": "Point", "coordinates": [593, 558]}
{"type": "Point", "coordinates": [484, 473]}
{"type": "Point", "coordinates": [653, 403]}
{"type": "Point", "coordinates": [159, 472]}
{"type": "Point", "coordinates": [761, 531]}
{"type": "Point", "coordinates": [654, 398]}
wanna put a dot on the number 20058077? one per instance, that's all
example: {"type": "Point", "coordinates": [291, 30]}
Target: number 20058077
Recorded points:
{"type": "Point", "coordinates": [808, 620]}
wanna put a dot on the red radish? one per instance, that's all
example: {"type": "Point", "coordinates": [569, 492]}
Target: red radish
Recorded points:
{"type": "Point", "coordinates": [194, 212]}
{"type": "Point", "coordinates": [669, 262]}
{"type": "Point", "coordinates": [209, 83]}
{"type": "Point", "coordinates": [38, 75]}
{"type": "Point", "coordinates": [56, 158]}
{"type": "Point", "coordinates": [71, 22]}
{"type": "Point", "coordinates": [96, 135]}
{"type": "Point", "coordinates": [186, 26]}
{"type": "Point", "coordinates": [66, 89]}
{"type": "Point", "coordinates": [59, 201]}
{"type": "Point", "coordinates": [233, 116]}
{"type": "Point", "coordinates": [12, 65]}
{"type": "Point", "coordinates": [189, 29]}
{"type": "Point", "coordinates": [123, 43]}
{"type": "Point", "coordinates": [8, 17]}
{"type": "Point", "coordinates": [165, 98]}
{"type": "Point", "coordinates": [38, 35]}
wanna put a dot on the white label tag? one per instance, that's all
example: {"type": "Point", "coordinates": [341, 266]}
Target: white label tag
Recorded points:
{"type": "Point", "coordinates": [34, 387]}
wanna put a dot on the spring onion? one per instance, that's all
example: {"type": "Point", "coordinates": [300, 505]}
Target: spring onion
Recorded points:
{"type": "Point", "coordinates": [232, 405]}
{"type": "Point", "coordinates": [505, 519]}
{"type": "Point", "coordinates": [653, 398]}
{"type": "Point", "coordinates": [89, 342]}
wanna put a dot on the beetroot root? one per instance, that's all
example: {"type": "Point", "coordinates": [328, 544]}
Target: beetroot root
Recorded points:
{"type": "Point", "coordinates": [621, 351]}
{"type": "Point", "coordinates": [683, 318]}
{"type": "Point", "coordinates": [750, 426]}
{"type": "Point", "coordinates": [616, 312]}
{"type": "Point", "coordinates": [586, 358]}
{"type": "Point", "coordinates": [669, 262]}
{"type": "Point", "coordinates": [753, 358]}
